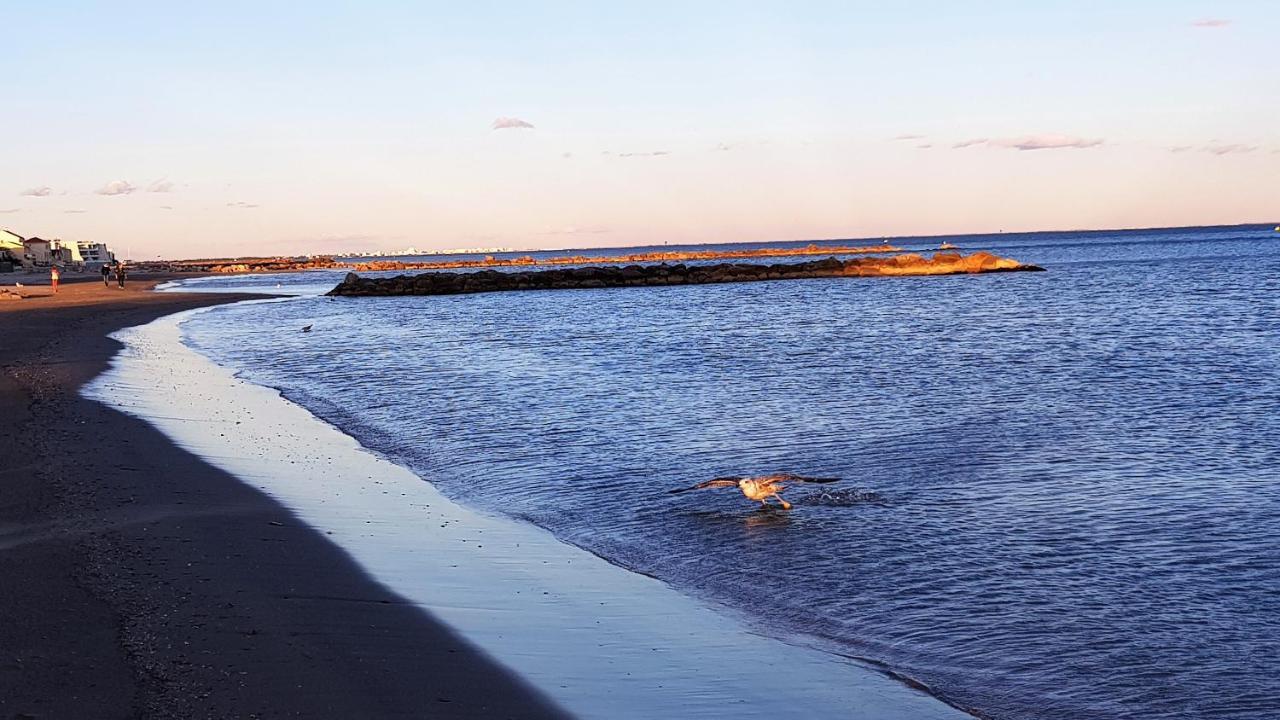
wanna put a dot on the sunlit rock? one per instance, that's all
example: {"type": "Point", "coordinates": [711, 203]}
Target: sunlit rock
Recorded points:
{"type": "Point", "coordinates": [943, 263]}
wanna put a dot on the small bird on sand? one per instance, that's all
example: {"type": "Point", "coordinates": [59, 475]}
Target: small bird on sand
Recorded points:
{"type": "Point", "coordinates": [759, 488]}
{"type": "Point", "coordinates": [306, 329]}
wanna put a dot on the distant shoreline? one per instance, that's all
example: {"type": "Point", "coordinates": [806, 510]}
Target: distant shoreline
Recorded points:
{"type": "Point", "coordinates": [1265, 225]}
{"type": "Point", "coordinates": [864, 239]}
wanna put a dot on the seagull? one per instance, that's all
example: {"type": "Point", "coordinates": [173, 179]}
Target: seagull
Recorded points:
{"type": "Point", "coordinates": [759, 488]}
{"type": "Point", "coordinates": [306, 329]}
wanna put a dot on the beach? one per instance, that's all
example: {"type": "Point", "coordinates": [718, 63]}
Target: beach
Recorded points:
{"type": "Point", "coordinates": [1002, 531]}
{"type": "Point", "coordinates": [142, 582]}
{"type": "Point", "coordinates": [216, 551]}
{"type": "Point", "coordinates": [631, 361]}
{"type": "Point", "coordinates": [261, 500]}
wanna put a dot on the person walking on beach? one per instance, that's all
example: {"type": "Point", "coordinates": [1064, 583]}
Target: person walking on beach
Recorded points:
{"type": "Point", "coordinates": [53, 278]}
{"type": "Point", "coordinates": [120, 275]}
{"type": "Point", "coordinates": [106, 275]}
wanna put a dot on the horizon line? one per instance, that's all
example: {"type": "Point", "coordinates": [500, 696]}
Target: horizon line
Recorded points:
{"type": "Point", "coordinates": [448, 251]}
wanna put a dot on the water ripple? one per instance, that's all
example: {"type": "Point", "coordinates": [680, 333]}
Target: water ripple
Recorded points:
{"type": "Point", "coordinates": [1062, 493]}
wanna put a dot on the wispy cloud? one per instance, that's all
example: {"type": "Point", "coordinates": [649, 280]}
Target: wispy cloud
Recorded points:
{"type": "Point", "coordinates": [241, 204]}
{"type": "Point", "coordinates": [924, 146]}
{"type": "Point", "coordinates": [1229, 149]}
{"type": "Point", "coordinates": [162, 185]}
{"type": "Point", "coordinates": [74, 212]}
{"type": "Point", "coordinates": [509, 123]}
{"type": "Point", "coordinates": [909, 137]}
{"type": "Point", "coordinates": [566, 155]}
{"type": "Point", "coordinates": [42, 191]}
{"type": "Point", "coordinates": [10, 210]}
{"type": "Point", "coordinates": [1046, 142]}
{"type": "Point", "coordinates": [166, 207]}
{"type": "Point", "coordinates": [1211, 23]}
{"type": "Point", "coordinates": [117, 187]}
{"type": "Point", "coordinates": [1179, 148]}
{"type": "Point", "coordinates": [1032, 142]}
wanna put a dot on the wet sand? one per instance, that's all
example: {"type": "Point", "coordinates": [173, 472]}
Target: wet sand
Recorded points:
{"type": "Point", "coordinates": [599, 640]}
{"type": "Point", "coordinates": [141, 581]}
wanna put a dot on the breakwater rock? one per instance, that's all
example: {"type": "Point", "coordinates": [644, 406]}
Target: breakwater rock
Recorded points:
{"type": "Point", "coordinates": [444, 283]}
{"type": "Point", "coordinates": [240, 265]}
{"type": "Point", "coordinates": [328, 262]}
{"type": "Point", "coordinates": [645, 257]}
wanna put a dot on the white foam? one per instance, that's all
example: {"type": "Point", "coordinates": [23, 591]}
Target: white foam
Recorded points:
{"type": "Point", "coordinates": [599, 640]}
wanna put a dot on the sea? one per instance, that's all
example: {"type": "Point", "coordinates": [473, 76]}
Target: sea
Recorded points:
{"type": "Point", "coordinates": [1059, 495]}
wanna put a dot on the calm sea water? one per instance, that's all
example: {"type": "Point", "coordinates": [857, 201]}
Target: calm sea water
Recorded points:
{"type": "Point", "coordinates": [1061, 492]}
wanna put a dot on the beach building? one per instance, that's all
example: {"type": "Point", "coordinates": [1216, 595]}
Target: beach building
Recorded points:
{"type": "Point", "coordinates": [95, 254]}
{"type": "Point", "coordinates": [66, 253]}
{"type": "Point", "coordinates": [37, 252]}
{"type": "Point", "coordinates": [10, 240]}
{"type": "Point", "coordinates": [11, 250]}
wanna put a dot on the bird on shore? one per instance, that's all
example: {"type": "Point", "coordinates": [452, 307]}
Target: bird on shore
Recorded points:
{"type": "Point", "coordinates": [306, 328]}
{"type": "Point", "coordinates": [759, 488]}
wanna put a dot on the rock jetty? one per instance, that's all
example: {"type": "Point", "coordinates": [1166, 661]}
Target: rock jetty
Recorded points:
{"type": "Point", "coordinates": [239, 265]}
{"type": "Point", "coordinates": [445, 283]}
{"type": "Point", "coordinates": [645, 257]}
{"type": "Point", "coordinates": [329, 262]}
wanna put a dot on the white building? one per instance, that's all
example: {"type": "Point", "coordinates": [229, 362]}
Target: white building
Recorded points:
{"type": "Point", "coordinates": [11, 243]}
{"type": "Point", "coordinates": [66, 252]}
{"type": "Point", "coordinates": [37, 252]}
{"type": "Point", "coordinates": [94, 253]}
{"type": "Point", "coordinates": [11, 248]}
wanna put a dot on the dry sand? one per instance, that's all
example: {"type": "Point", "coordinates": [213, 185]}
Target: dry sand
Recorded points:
{"type": "Point", "coordinates": [139, 581]}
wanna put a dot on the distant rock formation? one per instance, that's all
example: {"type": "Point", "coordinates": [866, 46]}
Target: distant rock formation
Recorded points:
{"type": "Point", "coordinates": [444, 283]}
{"type": "Point", "coordinates": [645, 257]}
{"type": "Point", "coordinates": [328, 262]}
{"type": "Point", "coordinates": [239, 265]}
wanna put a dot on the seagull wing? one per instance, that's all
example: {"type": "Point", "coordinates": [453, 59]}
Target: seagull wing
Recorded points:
{"type": "Point", "coordinates": [793, 478]}
{"type": "Point", "coordinates": [716, 483]}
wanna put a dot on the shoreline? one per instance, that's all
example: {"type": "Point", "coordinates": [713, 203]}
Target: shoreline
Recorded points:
{"type": "Point", "coordinates": [544, 608]}
{"type": "Point", "coordinates": [144, 582]}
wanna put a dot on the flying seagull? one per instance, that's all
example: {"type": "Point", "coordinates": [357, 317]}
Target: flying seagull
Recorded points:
{"type": "Point", "coordinates": [759, 488]}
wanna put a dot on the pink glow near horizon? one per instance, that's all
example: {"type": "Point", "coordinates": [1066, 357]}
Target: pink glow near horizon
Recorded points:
{"type": "Point", "coordinates": [383, 129]}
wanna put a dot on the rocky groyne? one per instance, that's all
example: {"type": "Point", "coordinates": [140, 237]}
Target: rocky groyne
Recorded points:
{"type": "Point", "coordinates": [239, 265]}
{"type": "Point", "coordinates": [445, 283]}
{"type": "Point", "coordinates": [645, 257]}
{"type": "Point", "coordinates": [328, 262]}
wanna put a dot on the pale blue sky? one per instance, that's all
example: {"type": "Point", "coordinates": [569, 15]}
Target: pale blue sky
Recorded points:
{"type": "Point", "coordinates": [369, 125]}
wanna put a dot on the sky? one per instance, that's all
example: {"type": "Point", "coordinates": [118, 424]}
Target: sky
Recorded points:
{"type": "Point", "coordinates": [263, 128]}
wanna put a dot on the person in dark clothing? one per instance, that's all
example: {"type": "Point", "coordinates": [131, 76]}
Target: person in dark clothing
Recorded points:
{"type": "Point", "coordinates": [106, 275]}
{"type": "Point", "coordinates": [120, 275]}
